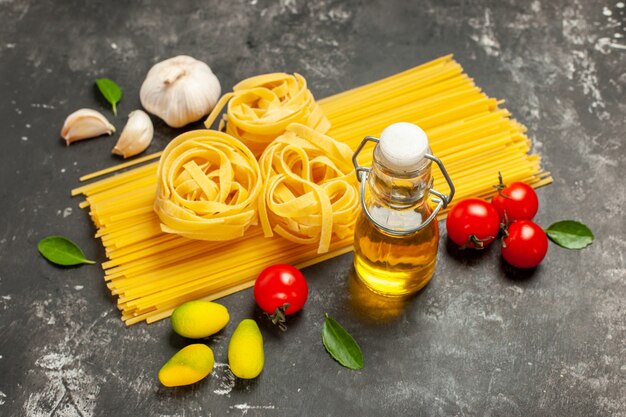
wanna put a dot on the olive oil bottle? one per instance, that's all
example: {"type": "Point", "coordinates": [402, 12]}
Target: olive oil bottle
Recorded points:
{"type": "Point", "coordinates": [397, 233]}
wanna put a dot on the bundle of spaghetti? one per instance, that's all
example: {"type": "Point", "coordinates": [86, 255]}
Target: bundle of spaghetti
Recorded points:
{"type": "Point", "coordinates": [261, 107]}
{"type": "Point", "coordinates": [309, 188]}
{"type": "Point", "coordinates": [467, 130]}
{"type": "Point", "coordinates": [208, 185]}
{"type": "Point", "coordinates": [201, 269]}
{"type": "Point", "coordinates": [152, 272]}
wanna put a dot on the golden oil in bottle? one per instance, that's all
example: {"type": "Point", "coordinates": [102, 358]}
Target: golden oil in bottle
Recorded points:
{"type": "Point", "coordinates": [394, 265]}
{"type": "Point", "coordinates": [397, 234]}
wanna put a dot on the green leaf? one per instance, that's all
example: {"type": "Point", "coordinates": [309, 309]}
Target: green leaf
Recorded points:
{"type": "Point", "coordinates": [341, 345]}
{"type": "Point", "coordinates": [110, 90]}
{"type": "Point", "coordinates": [62, 251]}
{"type": "Point", "coordinates": [570, 234]}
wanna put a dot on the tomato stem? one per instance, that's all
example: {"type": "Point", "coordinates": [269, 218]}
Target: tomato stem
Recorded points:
{"type": "Point", "coordinates": [504, 226]}
{"type": "Point", "coordinates": [278, 317]}
{"type": "Point", "coordinates": [476, 242]}
{"type": "Point", "coordinates": [501, 186]}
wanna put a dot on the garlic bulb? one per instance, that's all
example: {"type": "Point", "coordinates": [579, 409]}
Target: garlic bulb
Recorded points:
{"type": "Point", "coordinates": [136, 136]}
{"type": "Point", "coordinates": [180, 90]}
{"type": "Point", "coordinates": [85, 124]}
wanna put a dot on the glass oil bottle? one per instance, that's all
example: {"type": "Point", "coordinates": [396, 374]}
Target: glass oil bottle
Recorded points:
{"type": "Point", "coordinates": [397, 233]}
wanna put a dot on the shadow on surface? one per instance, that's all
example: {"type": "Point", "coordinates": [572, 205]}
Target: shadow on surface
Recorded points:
{"type": "Point", "coordinates": [178, 342]}
{"type": "Point", "coordinates": [245, 384]}
{"type": "Point", "coordinates": [467, 256]}
{"type": "Point", "coordinates": [372, 308]}
{"type": "Point", "coordinates": [517, 274]}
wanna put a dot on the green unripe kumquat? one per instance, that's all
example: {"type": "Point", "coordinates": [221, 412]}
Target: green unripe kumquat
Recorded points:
{"type": "Point", "coordinates": [199, 319]}
{"type": "Point", "coordinates": [245, 350]}
{"type": "Point", "coordinates": [188, 366]}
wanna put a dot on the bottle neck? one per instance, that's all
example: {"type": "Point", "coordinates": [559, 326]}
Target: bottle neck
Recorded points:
{"type": "Point", "coordinates": [399, 190]}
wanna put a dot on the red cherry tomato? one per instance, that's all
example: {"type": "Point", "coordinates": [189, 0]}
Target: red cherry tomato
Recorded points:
{"type": "Point", "coordinates": [280, 289]}
{"type": "Point", "coordinates": [526, 244]}
{"type": "Point", "coordinates": [473, 223]}
{"type": "Point", "coordinates": [518, 200]}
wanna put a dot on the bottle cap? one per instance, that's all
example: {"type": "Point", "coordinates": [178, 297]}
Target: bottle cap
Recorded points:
{"type": "Point", "coordinates": [403, 146]}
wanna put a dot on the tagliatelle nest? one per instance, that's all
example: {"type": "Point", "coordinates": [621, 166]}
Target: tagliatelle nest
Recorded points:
{"type": "Point", "coordinates": [260, 109]}
{"type": "Point", "coordinates": [208, 186]}
{"type": "Point", "coordinates": [309, 190]}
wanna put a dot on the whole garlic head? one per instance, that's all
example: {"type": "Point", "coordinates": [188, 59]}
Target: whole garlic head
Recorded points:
{"type": "Point", "coordinates": [136, 136]}
{"type": "Point", "coordinates": [180, 90]}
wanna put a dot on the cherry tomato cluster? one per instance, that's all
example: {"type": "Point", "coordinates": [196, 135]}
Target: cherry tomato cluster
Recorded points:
{"type": "Point", "coordinates": [280, 290]}
{"type": "Point", "coordinates": [475, 223]}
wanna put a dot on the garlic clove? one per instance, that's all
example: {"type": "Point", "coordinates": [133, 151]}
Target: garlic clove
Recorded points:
{"type": "Point", "coordinates": [180, 90]}
{"type": "Point", "coordinates": [136, 136]}
{"type": "Point", "coordinates": [85, 124]}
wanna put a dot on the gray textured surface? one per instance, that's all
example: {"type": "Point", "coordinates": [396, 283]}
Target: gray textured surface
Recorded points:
{"type": "Point", "coordinates": [480, 340]}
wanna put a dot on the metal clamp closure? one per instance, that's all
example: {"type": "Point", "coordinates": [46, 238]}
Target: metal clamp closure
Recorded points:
{"type": "Point", "coordinates": [442, 200]}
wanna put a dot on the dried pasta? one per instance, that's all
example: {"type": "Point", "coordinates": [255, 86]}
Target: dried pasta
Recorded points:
{"type": "Point", "coordinates": [260, 109]}
{"type": "Point", "coordinates": [152, 272]}
{"type": "Point", "coordinates": [208, 185]}
{"type": "Point", "coordinates": [309, 188]}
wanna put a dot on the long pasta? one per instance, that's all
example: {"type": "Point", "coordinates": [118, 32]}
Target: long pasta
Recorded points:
{"type": "Point", "coordinates": [152, 272]}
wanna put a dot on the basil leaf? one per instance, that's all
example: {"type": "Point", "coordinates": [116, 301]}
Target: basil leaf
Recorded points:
{"type": "Point", "coordinates": [62, 251]}
{"type": "Point", "coordinates": [110, 90]}
{"type": "Point", "coordinates": [341, 346]}
{"type": "Point", "coordinates": [570, 234]}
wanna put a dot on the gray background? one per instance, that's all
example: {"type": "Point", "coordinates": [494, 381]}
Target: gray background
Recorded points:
{"type": "Point", "coordinates": [480, 340]}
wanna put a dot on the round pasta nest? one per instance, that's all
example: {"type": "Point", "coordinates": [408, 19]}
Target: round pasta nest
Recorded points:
{"type": "Point", "coordinates": [260, 108]}
{"type": "Point", "coordinates": [309, 190]}
{"type": "Point", "coordinates": [208, 186]}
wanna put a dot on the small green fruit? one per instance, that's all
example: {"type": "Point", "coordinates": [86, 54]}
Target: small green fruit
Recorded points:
{"type": "Point", "coordinates": [189, 365]}
{"type": "Point", "coordinates": [199, 319]}
{"type": "Point", "coordinates": [245, 350]}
